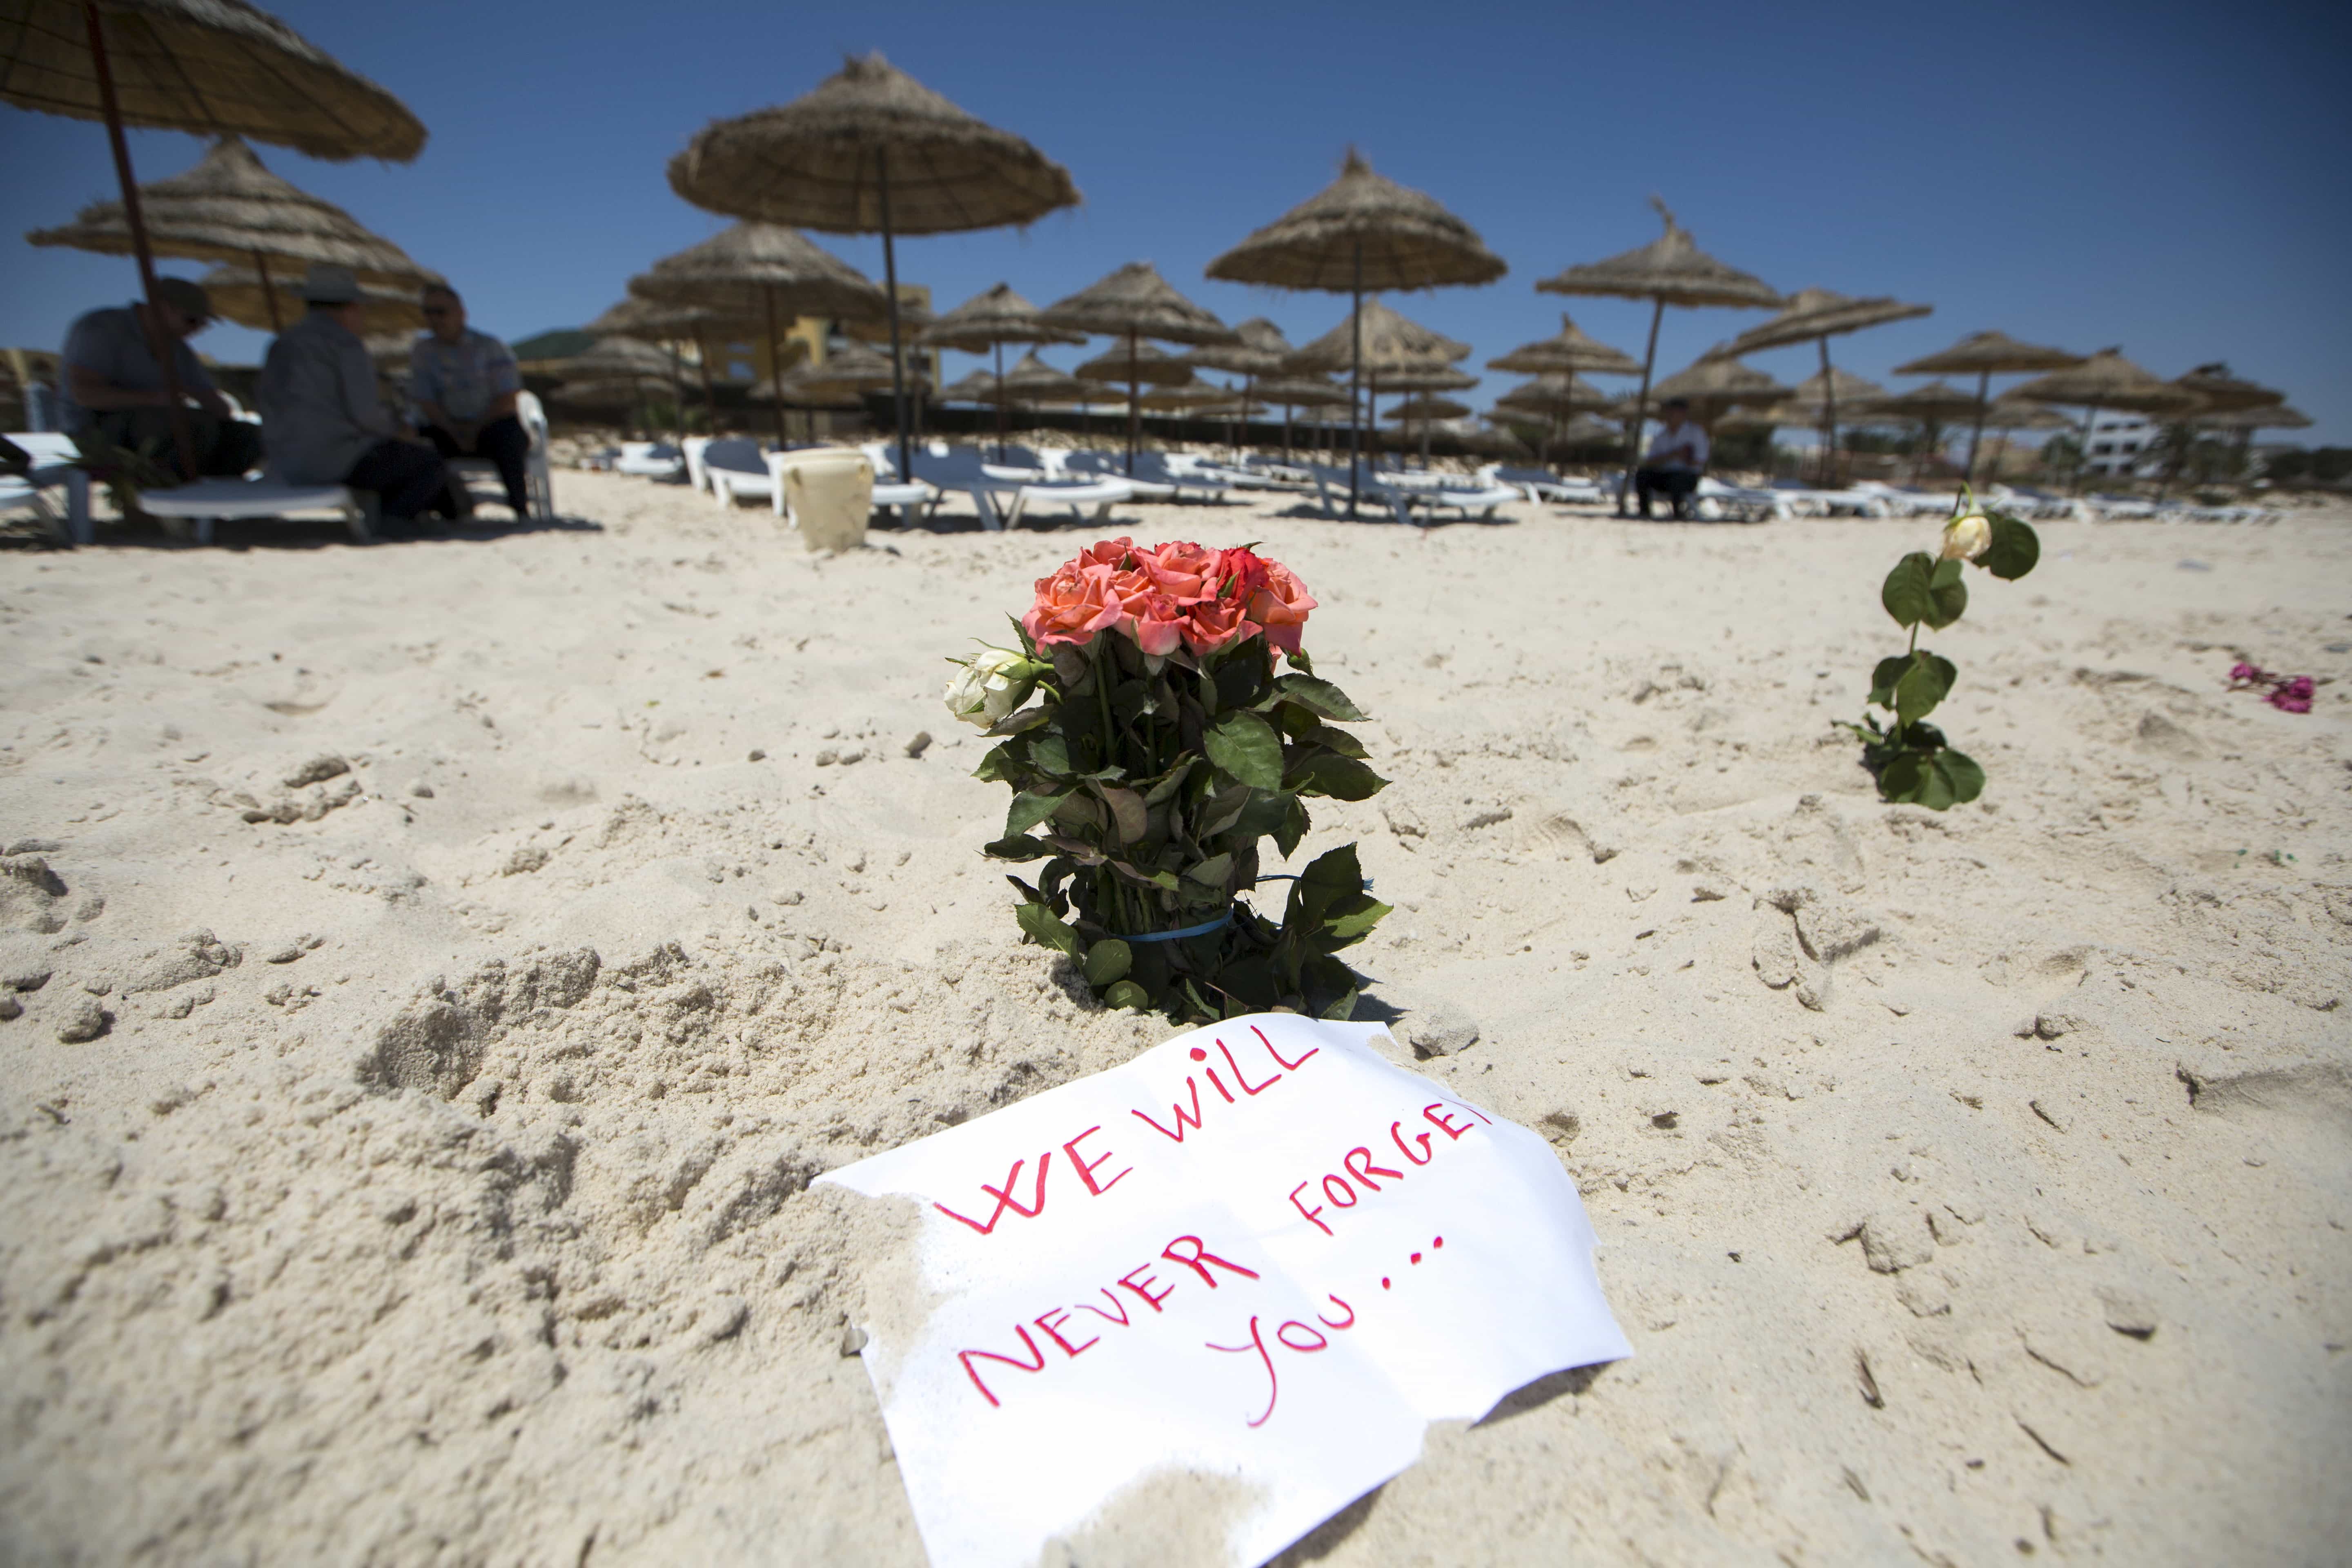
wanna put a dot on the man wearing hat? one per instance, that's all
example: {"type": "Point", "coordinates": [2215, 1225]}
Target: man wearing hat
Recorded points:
{"type": "Point", "coordinates": [1676, 460]}
{"type": "Point", "coordinates": [322, 418]}
{"type": "Point", "coordinates": [114, 384]}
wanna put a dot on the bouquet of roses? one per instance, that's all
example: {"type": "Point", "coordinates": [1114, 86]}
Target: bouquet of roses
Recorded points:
{"type": "Point", "coordinates": [1163, 746]}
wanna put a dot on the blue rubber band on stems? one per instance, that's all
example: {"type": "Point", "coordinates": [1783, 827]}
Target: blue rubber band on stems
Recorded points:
{"type": "Point", "coordinates": [1204, 929]}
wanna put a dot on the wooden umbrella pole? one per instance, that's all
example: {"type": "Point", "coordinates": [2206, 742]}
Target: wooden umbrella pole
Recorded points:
{"type": "Point", "coordinates": [891, 282]}
{"type": "Point", "coordinates": [1000, 401]}
{"type": "Point", "coordinates": [1829, 415]}
{"type": "Point", "coordinates": [1356, 378]}
{"type": "Point", "coordinates": [775, 360]}
{"type": "Point", "coordinates": [268, 292]}
{"type": "Point", "coordinates": [709, 398]}
{"type": "Point", "coordinates": [1134, 405]}
{"type": "Point", "coordinates": [1641, 408]}
{"type": "Point", "coordinates": [677, 393]}
{"type": "Point", "coordinates": [166, 352]}
{"type": "Point", "coordinates": [1976, 436]}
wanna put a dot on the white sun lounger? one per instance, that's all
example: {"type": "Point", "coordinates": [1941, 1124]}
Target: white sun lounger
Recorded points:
{"type": "Point", "coordinates": [56, 466]}
{"type": "Point", "coordinates": [538, 481]}
{"type": "Point", "coordinates": [196, 506]}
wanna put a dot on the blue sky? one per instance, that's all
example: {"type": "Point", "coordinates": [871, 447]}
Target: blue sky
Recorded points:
{"type": "Point", "coordinates": [2171, 178]}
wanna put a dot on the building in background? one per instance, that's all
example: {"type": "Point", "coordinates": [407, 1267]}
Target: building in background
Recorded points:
{"type": "Point", "coordinates": [2119, 447]}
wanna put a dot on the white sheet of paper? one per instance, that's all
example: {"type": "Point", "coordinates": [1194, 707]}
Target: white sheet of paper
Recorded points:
{"type": "Point", "coordinates": [1258, 1251]}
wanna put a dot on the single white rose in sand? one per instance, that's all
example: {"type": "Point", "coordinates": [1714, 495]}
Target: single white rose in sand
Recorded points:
{"type": "Point", "coordinates": [1965, 538]}
{"type": "Point", "coordinates": [992, 686]}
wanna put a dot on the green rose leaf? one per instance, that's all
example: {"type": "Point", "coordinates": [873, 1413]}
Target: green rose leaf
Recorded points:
{"type": "Point", "coordinates": [1900, 781]}
{"type": "Point", "coordinates": [1339, 741]}
{"type": "Point", "coordinates": [1017, 849]}
{"type": "Point", "coordinates": [1341, 778]}
{"type": "Point", "coordinates": [1126, 812]}
{"type": "Point", "coordinates": [2014, 549]}
{"type": "Point", "coordinates": [1966, 780]}
{"type": "Point", "coordinates": [1026, 718]}
{"type": "Point", "coordinates": [1107, 961]}
{"type": "Point", "coordinates": [1905, 590]}
{"type": "Point", "coordinates": [1212, 871]}
{"type": "Point", "coordinates": [1319, 695]}
{"type": "Point", "coordinates": [1127, 994]}
{"type": "Point", "coordinates": [1050, 753]}
{"type": "Point", "coordinates": [1292, 827]}
{"type": "Point", "coordinates": [1040, 923]}
{"type": "Point", "coordinates": [1884, 676]}
{"type": "Point", "coordinates": [1245, 746]}
{"type": "Point", "coordinates": [1948, 595]}
{"type": "Point", "coordinates": [1028, 810]}
{"type": "Point", "coordinates": [1927, 682]}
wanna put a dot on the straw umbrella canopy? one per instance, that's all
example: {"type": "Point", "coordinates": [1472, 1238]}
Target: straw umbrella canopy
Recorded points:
{"type": "Point", "coordinates": [1717, 382]}
{"type": "Point", "coordinates": [1815, 316]}
{"type": "Point", "coordinates": [1384, 349]}
{"type": "Point", "coordinates": [2276, 417]}
{"type": "Point", "coordinates": [1362, 233]}
{"type": "Point", "coordinates": [871, 150]}
{"type": "Point", "coordinates": [1134, 303]}
{"type": "Point", "coordinates": [619, 359]}
{"type": "Point", "coordinates": [759, 271]}
{"type": "Point", "coordinates": [2218, 392]}
{"type": "Point", "coordinates": [1814, 404]}
{"type": "Point", "coordinates": [212, 68]}
{"type": "Point", "coordinates": [1569, 351]}
{"type": "Point", "coordinates": [230, 208]}
{"type": "Point", "coordinates": [649, 322]}
{"type": "Point", "coordinates": [843, 377]}
{"type": "Point", "coordinates": [1034, 381]}
{"type": "Point", "coordinates": [1985, 355]}
{"type": "Point", "coordinates": [1669, 271]}
{"type": "Point", "coordinates": [2105, 381]}
{"type": "Point", "coordinates": [1262, 351]}
{"type": "Point", "coordinates": [1928, 407]}
{"type": "Point", "coordinates": [1291, 393]}
{"type": "Point", "coordinates": [1427, 407]}
{"type": "Point", "coordinates": [260, 299]}
{"type": "Point", "coordinates": [986, 323]}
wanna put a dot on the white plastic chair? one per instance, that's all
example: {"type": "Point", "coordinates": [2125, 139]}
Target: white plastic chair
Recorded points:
{"type": "Point", "coordinates": [56, 463]}
{"type": "Point", "coordinates": [538, 479]}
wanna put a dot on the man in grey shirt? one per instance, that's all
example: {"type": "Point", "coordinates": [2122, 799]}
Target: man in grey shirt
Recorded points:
{"type": "Point", "coordinates": [111, 384]}
{"type": "Point", "coordinates": [465, 385]}
{"type": "Point", "coordinates": [321, 417]}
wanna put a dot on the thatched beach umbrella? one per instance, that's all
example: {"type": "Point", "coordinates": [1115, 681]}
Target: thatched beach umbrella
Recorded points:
{"type": "Point", "coordinates": [844, 377]}
{"type": "Point", "coordinates": [1384, 350]}
{"type": "Point", "coordinates": [1985, 355]}
{"type": "Point", "coordinates": [1717, 382]}
{"type": "Point", "coordinates": [871, 150]}
{"type": "Point", "coordinates": [1813, 404]}
{"type": "Point", "coordinates": [1262, 351]}
{"type": "Point", "coordinates": [1291, 393]}
{"type": "Point", "coordinates": [230, 208]}
{"type": "Point", "coordinates": [211, 68]}
{"type": "Point", "coordinates": [1552, 400]}
{"type": "Point", "coordinates": [263, 301]}
{"type": "Point", "coordinates": [1815, 316]}
{"type": "Point", "coordinates": [2105, 381]}
{"type": "Point", "coordinates": [623, 359]}
{"type": "Point", "coordinates": [2218, 392]}
{"type": "Point", "coordinates": [1569, 351]}
{"type": "Point", "coordinates": [1135, 304]}
{"type": "Point", "coordinates": [650, 321]}
{"type": "Point", "coordinates": [986, 323]}
{"type": "Point", "coordinates": [1929, 407]}
{"type": "Point", "coordinates": [1669, 271]}
{"type": "Point", "coordinates": [1360, 234]}
{"type": "Point", "coordinates": [1424, 411]}
{"type": "Point", "coordinates": [2275, 416]}
{"type": "Point", "coordinates": [761, 271]}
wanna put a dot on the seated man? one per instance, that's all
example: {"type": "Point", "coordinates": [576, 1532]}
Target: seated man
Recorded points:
{"type": "Point", "coordinates": [1676, 460]}
{"type": "Point", "coordinates": [112, 383]}
{"type": "Point", "coordinates": [464, 385]}
{"type": "Point", "coordinates": [321, 416]}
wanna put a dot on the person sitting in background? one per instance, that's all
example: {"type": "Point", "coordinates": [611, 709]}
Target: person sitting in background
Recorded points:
{"type": "Point", "coordinates": [114, 384]}
{"type": "Point", "coordinates": [1676, 460]}
{"type": "Point", "coordinates": [322, 418]}
{"type": "Point", "coordinates": [464, 384]}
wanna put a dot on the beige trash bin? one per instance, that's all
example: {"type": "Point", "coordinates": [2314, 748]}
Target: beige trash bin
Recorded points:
{"type": "Point", "coordinates": [830, 494]}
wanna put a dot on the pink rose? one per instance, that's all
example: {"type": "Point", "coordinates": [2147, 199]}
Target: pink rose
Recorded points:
{"type": "Point", "coordinates": [1109, 552]}
{"type": "Point", "coordinates": [1212, 623]}
{"type": "Point", "coordinates": [1281, 606]}
{"type": "Point", "coordinates": [1073, 604]}
{"type": "Point", "coordinates": [1183, 570]}
{"type": "Point", "coordinates": [1240, 573]}
{"type": "Point", "coordinates": [1156, 623]}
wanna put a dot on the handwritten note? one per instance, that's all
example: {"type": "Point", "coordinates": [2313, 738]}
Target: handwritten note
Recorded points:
{"type": "Point", "coordinates": [1258, 1252]}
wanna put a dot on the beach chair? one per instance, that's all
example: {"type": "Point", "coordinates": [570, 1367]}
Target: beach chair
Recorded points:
{"type": "Point", "coordinates": [1808, 501]}
{"type": "Point", "coordinates": [52, 462]}
{"type": "Point", "coordinates": [736, 467]}
{"type": "Point", "coordinates": [999, 500]}
{"type": "Point", "coordinates": [191, 509]}
{"type": "Point", "coordinates": [691, 449]}
{"type": "Point", "coordinates": [649, 460]}
{"type": "Point", "coordinates": [1113, 466]}
{"type": "Point", "coordinates": [538, 478]}
{"type": "Point", "coordinates": [1715, 502]}
{"type": "Point", "coordinates": [1179, 474]}
{"type": "Point", "coordinates": [1905, 501]}
{"type": "Point", "coordinates": [1542, 484]}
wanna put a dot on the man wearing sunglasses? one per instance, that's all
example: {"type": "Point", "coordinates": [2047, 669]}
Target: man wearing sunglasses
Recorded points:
{"type": "Point", "coordinates": [464, 385]}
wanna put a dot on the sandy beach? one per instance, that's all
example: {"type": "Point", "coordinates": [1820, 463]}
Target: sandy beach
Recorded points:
{"type": "Point", "coordinates": [438, 969]}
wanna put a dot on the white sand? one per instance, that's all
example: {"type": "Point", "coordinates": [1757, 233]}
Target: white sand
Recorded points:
{"type": "Point", "coordinates": [2018, 1229]}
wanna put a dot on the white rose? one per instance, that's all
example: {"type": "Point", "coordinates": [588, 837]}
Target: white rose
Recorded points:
{"type": "Point", "coordinates": [1965, 538]}
{"type": "Point", "coordinates": [992, 686]}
